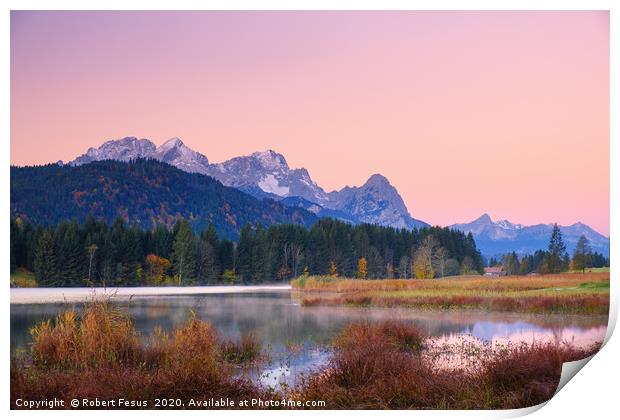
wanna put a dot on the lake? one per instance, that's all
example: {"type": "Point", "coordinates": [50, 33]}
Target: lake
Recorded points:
{"type": "Point", "coordinates": [295, 336]}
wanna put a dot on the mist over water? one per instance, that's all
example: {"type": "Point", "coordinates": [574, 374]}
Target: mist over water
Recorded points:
{"type": "Point", "coordinates": [297, 338]}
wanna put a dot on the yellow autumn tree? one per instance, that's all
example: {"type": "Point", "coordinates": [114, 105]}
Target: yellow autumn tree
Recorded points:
{"type": "Point", "coordinates": [333, 269]}
{"type": "Point", "coordinates": [362, 268]}
{"type": "Point", "coordinates": [423, 259]}
{"type": "Point", "coordinates": [156, 269]}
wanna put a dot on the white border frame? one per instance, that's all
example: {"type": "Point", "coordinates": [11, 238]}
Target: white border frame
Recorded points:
{"type": "Point", "coordinates": [593, 395]}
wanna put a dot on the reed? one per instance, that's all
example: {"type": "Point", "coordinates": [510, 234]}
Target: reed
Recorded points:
{"type": "Point", "coordinates": [562, 293]}
{"type": "Point", "coordinates": [597, 304]}
{"type": "Point", "coordinates": [379, 375]}
{"type": "Point", "coordinates": [247, 349]}
{"type": "Point", "coordinates": [98, 353]}
{"type": "Point", "coordinates": [446, 284]}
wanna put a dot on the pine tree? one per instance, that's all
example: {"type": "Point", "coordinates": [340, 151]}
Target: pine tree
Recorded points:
{"type": "Point", "coordinates": [244, 253]}
{"type": "Point", "coordinates": [183, 258]}
{"type": "Point", "coordinates": [226, 255]}
{"type": "Point", "coordinates": [582, 255]}
{"type": "Point", "coordinates": [120, 254]}
{"type": "Point", "coordinates": [207, 267]}
{"type": "Point", "coordinates": [210, 235]}
{"type": "Point", "coordinates": [15, 233]}
{"type": "Point", "coordinates": [45, 260]}
{"type": "Point", "coordinates": [557, 249]}
{"type": "Point", "coordinates": [261, 259]}
{"type": "Point", "coordinates": [71, 255]}
{"type": "Point", "coordinates": [90, 250]}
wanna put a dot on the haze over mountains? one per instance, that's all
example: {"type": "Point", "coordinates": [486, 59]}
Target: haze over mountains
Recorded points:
{"type": "Point", "coordinates": [267, 175]}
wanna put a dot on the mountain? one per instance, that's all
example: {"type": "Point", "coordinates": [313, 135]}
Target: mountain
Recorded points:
{"type": "Point", "coordinates": [125, 149]}
{"type": "Point", "coordinates": [500, 237]}
{"type": "Point", "coordinates": [144, 192]}
{"type": "Point", "coordinates": [268, 172]}
{"type": "Point", "coordinates": [321, 212]}
{"type": "Point", "coordinates": [377, 201]}
{"type": "Point", "coordinates": [267, 175]}
{"type": "Point", "coordinates": [173, 152]}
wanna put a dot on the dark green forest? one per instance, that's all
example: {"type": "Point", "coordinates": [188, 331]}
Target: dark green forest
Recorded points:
{"type": "Point", "coordinates": [118, 254]}
{"type": "Point", "coordinates": [144, 192]}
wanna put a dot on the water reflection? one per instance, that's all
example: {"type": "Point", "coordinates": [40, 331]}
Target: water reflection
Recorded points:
{"type": "Point", "coordinates": [297, 336]}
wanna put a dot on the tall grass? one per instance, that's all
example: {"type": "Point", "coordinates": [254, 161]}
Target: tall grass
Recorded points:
{"type": "Point", "coordinates": [562, 293]}
{"type": "Point", "coordinates": [100, 354]}
{"type": "Point", "coordinates": [458, 283]}
{"type": "Point", "coordinates": [247, 349]}
{"type": "Point", "coordinates": [102, 336]}
{"type": "Point", "coordinates": [596, 304]}
{"type": "Point", "coordinates": [370, 371]}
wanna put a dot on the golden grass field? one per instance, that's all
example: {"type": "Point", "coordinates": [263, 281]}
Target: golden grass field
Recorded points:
{"type": "Point", "coordinates": [586, 293]}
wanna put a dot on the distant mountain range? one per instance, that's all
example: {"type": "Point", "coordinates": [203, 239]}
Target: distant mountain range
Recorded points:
{"type": "Point", "coordinates": [267, 175]}
{"type": "Point", "coordinates": [500, 237]}
{"type": "Point", "coordinates": [143, 192]}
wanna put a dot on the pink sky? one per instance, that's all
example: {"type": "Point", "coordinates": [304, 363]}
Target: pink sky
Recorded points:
{"type": "Point", "coordinates": [464, 112]}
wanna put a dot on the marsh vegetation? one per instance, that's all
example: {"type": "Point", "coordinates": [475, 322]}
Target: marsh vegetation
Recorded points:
{"type": "Point", "coordinates": [578, 293]}
{"type": "Point", "coordinates": [389, 363]}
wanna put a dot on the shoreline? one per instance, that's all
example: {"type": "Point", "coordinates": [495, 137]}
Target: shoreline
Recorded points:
{"type": "Point", "coordinates": [84, 294]}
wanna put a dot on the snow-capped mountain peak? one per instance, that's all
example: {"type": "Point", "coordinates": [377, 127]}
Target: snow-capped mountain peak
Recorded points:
{"type": "Point", "coordinates": [176, 153]}
{"type": "Point", "coordinates": [171, 143]}
{"type": "Point", "coordinates": [267, 174]}
{"type": "Point", "coordinates": [124, 149]}
{"type": "Point", "coordinates": [505, 224]}
{"type": "Point", "coordinates": [271, 160]}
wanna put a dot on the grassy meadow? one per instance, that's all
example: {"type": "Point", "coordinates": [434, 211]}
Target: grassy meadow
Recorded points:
{"type": "Point", "coordinates": [580, 293]}
{"type": "Point", "coordinates": [389, 364]}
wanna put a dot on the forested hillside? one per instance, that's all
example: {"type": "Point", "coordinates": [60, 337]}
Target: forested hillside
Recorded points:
{"type": "Point", "coordinates": [95, 253]}
{"type": "Point", "coordinates": [143, 192]}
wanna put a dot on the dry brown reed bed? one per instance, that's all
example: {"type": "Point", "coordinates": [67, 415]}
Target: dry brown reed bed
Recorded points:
{"type": "Point", "coordinates": [458, 284]}
{"type": "Point", "coordinates": [597, 304]}
{"type": "Point", "coordinates": [99, 354]}
{"type": "Point", "coordinates": [383, 365]}
{"type": "Point", "coordinates": [558, 293]}
{"type": "Point", "coordinates": [374, 368]}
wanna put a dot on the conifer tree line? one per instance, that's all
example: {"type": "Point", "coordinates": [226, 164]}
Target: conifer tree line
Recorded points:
{"type": "Point", "coordinates": [554, 260]}
{"type": "Point", "coordinates": [95, 253]}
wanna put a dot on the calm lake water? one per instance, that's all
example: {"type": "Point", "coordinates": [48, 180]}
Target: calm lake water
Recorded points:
{"type": "Point", "coordinates": [296, 337]}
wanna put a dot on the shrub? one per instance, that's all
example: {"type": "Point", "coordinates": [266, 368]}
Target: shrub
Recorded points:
{"type": "Point", "coordinates": [99, 354]}
{"type": "Point", "coordinates": [101, 336]}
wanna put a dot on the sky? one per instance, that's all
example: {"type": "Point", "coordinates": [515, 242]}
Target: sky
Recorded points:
{"type": "Point", "coordinates": [505, 113]}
